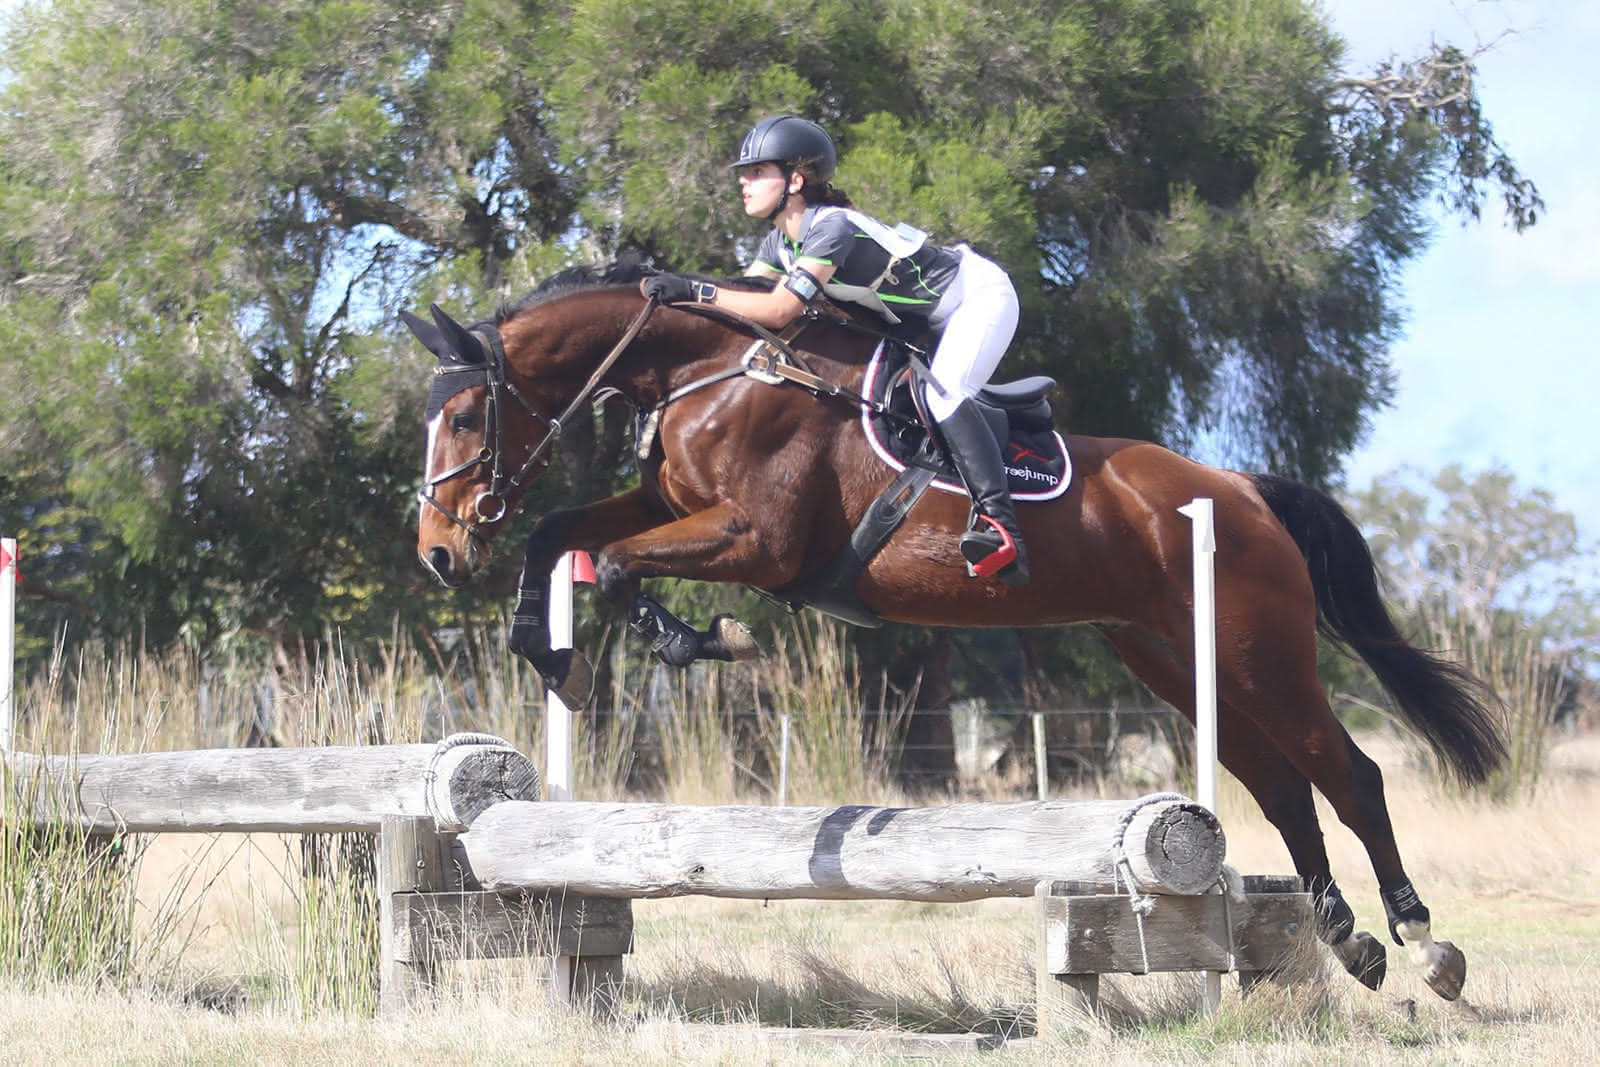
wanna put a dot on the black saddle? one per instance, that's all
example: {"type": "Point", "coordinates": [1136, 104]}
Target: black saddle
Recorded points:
{"type": "Point", "coordinates": [1018, 415]}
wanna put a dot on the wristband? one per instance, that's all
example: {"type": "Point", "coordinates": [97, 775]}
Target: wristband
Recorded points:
{"type": "Point", "coordinates": [800, 282]}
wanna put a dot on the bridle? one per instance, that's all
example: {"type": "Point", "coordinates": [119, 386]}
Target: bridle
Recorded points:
{"type": "Point", "coordinates": [490, 505]}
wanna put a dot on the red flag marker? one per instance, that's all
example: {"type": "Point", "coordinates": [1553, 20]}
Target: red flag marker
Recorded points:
{"type": "Point", "coordinates": [582, 568]}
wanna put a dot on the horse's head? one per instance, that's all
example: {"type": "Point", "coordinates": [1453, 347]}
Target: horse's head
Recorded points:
{"type": "Point", "coordinates": [480, 456]}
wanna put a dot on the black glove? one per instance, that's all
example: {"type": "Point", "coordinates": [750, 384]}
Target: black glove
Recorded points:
{"type": "Point", "coordinates": [676, 289]}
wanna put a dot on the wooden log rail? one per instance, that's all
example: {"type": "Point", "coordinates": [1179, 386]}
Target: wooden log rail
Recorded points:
{"type": "Point", "coordinates": [857, 852]}
{"type": "Point", "coordinates": [336, 789]}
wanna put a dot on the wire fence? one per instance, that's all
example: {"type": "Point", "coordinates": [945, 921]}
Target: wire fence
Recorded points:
{"type": "Point", "coordinates": [975, 742]}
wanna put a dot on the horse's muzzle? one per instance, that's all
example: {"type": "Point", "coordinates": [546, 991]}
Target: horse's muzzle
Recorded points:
{"type": "Point", "coordinates": [439, 560]}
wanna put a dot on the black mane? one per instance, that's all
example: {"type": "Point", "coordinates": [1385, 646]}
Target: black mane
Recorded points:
{"type": "Point", "coordinates": [625, 271]}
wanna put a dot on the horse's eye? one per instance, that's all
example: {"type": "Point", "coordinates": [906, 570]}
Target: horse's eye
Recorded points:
{"type": "Point", "coordinates": [465, 422]}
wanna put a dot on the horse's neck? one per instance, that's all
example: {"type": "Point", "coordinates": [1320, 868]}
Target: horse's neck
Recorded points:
{"type": "Point", "coordinates": [673, 349]}
{"type": "Point", "coordinates": [677, 352]}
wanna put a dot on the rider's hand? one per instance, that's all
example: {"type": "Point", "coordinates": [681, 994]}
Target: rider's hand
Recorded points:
{"type": "Point", "coordinates": [676, 289]}
{"type": "Point", "coordinates": [667, 288]}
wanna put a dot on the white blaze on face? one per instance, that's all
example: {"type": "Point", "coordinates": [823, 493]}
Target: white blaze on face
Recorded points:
{"type": "Point", "coordinates": [433, 439]}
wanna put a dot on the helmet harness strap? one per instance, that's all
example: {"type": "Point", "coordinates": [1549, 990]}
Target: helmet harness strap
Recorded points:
{"type": "Point", "coordinates": [783, 201]}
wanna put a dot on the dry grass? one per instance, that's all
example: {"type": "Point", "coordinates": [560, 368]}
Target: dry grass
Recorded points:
{"type": "Point", "coordinates": [1514, 885]}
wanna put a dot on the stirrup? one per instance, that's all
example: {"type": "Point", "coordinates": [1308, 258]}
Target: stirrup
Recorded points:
{"type": "Point", "coordinates": [984, 557]}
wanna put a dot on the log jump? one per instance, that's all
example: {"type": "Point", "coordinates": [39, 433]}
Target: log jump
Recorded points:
{"type": "Point", "coordinates": [1121, 886]}
{"type": "Point", "coordinates": [1161, 844]}
{"type": "Point", "coordinates": [472, 865]}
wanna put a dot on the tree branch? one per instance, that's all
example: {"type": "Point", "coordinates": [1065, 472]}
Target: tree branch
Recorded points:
{"type": "Point", "coordinates": [349, 211]}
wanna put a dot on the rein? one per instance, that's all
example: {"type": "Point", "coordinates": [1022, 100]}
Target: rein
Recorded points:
{"type": "Point", "coordinates": [490, 505]}
{"type": "Point", "coordinates": [773, 361]}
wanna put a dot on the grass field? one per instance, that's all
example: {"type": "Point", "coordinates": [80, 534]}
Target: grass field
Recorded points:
{"type": "Point", "coordinates": [1515, 886]}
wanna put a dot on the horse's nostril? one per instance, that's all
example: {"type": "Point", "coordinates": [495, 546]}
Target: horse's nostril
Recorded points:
{"type": "Point", "coordinates": [439, 560]}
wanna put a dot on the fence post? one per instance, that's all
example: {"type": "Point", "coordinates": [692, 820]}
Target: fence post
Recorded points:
{"type": "Point", "coordinates": [558, 717]}
{"type": "Point", "coordinates": [1041, 768]}
{"type": "Point", "coordinates": [8, 633]}
{"type": "Point", "coordinates": [783, 763]}
{"type": "Point", "coordinates": [412, 858]}
{"type": "Point", "coordinates": [1201, 515]}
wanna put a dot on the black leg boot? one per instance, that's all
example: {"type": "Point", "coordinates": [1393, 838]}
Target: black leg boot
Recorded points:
{"type": "Point", "coordinates": [994, 544]}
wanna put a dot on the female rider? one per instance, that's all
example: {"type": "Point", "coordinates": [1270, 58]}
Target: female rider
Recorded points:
{"type": "Point", "coordinates": [819, 244]}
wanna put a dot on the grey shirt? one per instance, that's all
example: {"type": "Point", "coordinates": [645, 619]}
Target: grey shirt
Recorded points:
{"type": "Point", "coordinates": [914, 286]}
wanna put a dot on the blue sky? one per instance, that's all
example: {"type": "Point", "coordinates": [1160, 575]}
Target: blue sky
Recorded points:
{"type": "Point", "coordinates": [1499, 363]}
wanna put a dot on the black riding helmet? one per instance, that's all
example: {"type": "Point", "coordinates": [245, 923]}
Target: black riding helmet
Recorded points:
{"type": "Point", "coordinates": [791, 141]}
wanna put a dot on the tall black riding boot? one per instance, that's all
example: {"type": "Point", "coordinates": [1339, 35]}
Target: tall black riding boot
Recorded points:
{"type": "Point", "coordinates": [994, 543]}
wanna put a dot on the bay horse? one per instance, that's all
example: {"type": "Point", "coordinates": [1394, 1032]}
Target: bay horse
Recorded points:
{"type": "Point", "coordinates": [757, 478]}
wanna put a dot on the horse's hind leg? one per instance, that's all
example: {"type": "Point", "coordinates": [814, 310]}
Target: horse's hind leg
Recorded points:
{"type": "Point", "coordinates": [1445, 966]}
{"type": "Point", "coordinates": [1272, 678]}
{"type": "Point", "coordinates": [1283, 793]}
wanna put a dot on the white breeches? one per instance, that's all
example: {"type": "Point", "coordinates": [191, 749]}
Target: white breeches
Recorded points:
{"type": "Point", "coordinates": [976, 319]}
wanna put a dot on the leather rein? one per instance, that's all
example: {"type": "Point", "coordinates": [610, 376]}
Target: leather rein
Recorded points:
{"type": "Point", "coordinates": [773, 362]}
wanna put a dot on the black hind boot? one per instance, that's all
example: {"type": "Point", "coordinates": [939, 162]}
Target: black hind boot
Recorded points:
{"type": "Point", "coordinates": [993, 545]}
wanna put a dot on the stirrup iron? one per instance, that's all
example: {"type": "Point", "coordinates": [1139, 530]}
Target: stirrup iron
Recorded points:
{"type": "Point", "coordinates": [984, 557]}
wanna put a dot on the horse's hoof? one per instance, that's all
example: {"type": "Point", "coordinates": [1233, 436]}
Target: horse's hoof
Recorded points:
{"type": "Point", "coordinates": [730, 635]}
{"type": "Point", "coordinates": [1364, 957]}
{"type": "Point", "coordinates": [1448, 971]}
{"type": "Point", "coordinates": [575, 685]}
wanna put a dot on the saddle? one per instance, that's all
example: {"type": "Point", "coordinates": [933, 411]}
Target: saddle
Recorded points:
{"type": "Point", "coordinates": [898, 426]}
{"type": "Point", "coordinates": [896, 423]}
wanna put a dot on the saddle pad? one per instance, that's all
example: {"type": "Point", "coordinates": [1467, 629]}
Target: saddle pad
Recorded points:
{"type": "Point", "coordinates": [1036, 460]}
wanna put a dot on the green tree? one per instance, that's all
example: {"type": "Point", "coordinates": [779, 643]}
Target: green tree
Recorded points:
{"type": "Point", "coordinates": [1485, 570]}
{"type": "Point", "coordinates": [209, 214]}
{"type": "Point", "coordinates": [212, 213]}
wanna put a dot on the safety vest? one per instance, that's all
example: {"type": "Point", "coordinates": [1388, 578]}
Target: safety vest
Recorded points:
{"type": "Point", "coordinates": [902, 242]}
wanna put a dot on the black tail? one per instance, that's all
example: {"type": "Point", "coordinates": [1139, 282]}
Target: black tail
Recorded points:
{"type": "Point", "coordinates": [1445, 703]}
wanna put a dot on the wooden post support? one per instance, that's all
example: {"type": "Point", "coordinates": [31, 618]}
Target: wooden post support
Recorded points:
{"type": "Point", "coordinates": [591, 983]}
{"type": "Point", "coordinates": [585, 938]}
{"type": "Point", "coordinates": [433, 910]}
{"type": "Point", "coordinates": [413, 858]}
{"type": "Point", "coordinates": [1061, 1001]}
{"type": "Point", "coordinates": [1275, 932]}
{"type": "Point", "coordinates": [1086, 930]}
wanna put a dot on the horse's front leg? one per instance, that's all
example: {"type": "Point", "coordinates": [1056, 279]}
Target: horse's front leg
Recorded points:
{"type": "Point", "coordinates": [587, 528]}
{"type": "Point", "coordinates": [715, 545]}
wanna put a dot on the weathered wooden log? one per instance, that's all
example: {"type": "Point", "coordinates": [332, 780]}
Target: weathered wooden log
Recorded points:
{"type": "Point", "coordinates": [960, 852]}
{"type": "Point", "coordinates": [337, 789]}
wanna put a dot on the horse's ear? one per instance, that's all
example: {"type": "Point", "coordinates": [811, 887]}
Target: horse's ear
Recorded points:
{"type": "Point", "coordinates": [466, 347]}
{"type": "Point", "coordinates": [426, 332]}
